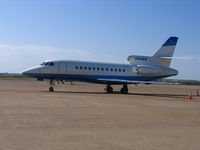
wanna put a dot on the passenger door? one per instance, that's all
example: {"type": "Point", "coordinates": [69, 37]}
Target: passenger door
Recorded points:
{"type": "Point", "coordinates": [62, 68]}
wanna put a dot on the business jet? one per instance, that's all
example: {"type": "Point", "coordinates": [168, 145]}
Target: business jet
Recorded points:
{"type": "Point", "coordinates": [139, 70]}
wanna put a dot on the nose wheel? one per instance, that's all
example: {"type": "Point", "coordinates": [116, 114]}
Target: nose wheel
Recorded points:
{"type": "Point", "coordinates": [51, 89]}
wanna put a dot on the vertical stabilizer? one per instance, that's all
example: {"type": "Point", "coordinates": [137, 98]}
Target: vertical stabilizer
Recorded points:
{"type": "Point", "coordinates": [167, 50]}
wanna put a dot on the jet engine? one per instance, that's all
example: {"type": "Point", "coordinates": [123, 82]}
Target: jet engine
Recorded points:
{"type": "Point", "coordinates": [147, 70]}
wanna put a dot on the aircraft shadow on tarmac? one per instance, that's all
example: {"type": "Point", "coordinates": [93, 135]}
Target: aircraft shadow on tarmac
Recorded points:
{"type": "Point", "coordinates": [115, 92]}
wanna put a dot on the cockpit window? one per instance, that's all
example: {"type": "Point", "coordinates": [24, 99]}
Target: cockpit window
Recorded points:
{"type": "Point", "coordinates": [51, 64]}
{"type": "Point", "coordinates": [42, 64]}
{"type": "Point", "coordinates": [47, 64]}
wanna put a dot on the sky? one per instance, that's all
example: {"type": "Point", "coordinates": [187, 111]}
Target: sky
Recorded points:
{"type": "Point", "coordinates": [32, 31]}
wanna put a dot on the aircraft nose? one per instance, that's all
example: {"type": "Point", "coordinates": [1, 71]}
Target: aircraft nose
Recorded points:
{"type": "Point", "coordinates": [26, 72]}
{"type": "Point", "coordinates": [30, 72]}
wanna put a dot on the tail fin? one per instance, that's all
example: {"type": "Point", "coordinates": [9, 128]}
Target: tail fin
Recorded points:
{"type": "Point", "coordinates": [167, 50]}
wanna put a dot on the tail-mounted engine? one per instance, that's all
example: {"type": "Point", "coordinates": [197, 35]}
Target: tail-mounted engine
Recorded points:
{"type": "Point", "coordinates": [147, 70]}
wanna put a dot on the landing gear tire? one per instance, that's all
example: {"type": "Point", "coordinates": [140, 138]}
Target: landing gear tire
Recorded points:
{"type": "Point", "coordinates": [109, 89]}
{"type": "Point", "coordinates": [124, 90]}
{"type": "Point", "coordinates": [51, 82]}
{"type": "Point", "coordinates": [51, 89]}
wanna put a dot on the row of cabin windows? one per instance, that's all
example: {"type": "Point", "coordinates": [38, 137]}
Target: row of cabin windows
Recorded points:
{"type": "Point", "coordinates": [99, 69]}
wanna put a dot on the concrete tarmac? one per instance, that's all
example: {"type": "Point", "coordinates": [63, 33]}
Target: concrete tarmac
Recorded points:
{"type": "Point", "coordinates": [84, 117]}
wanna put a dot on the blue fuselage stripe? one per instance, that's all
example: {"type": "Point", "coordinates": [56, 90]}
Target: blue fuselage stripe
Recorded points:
{"type": "Point", "coordinates": [93, 78]}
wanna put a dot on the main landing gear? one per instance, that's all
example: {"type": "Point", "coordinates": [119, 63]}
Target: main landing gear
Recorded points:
{"type": "Point", "coordinates": [124, 89]}
{"type": "Point", "coordinates": [51, 89]}
{"type": "Point", "coordinates": [109, 89]}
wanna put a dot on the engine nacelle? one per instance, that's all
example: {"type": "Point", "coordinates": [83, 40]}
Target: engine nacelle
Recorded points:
{"type": "Point", "coordinates": [148, 70]}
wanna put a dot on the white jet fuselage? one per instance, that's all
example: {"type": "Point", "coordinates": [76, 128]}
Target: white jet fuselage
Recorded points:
{"type": "Point", "coordinates": [140, 70]}
{"type": "Point", "coordinates": [94, 71]}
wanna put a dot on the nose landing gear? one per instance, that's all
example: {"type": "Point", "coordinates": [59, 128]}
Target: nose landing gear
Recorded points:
{"type": "Point", "coordinates": [51, 89]}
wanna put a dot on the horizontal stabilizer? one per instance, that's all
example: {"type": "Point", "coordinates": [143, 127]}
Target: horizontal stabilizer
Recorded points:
{"type": "Point", "coordinates": [179, 58]}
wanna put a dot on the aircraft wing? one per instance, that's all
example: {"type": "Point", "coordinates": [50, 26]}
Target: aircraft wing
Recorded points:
{"type": "Point", "coordinates": [133, 81]}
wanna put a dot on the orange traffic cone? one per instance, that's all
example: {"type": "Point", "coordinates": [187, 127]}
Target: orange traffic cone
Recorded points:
{"type": "Point", "coordinates": [190, 95]}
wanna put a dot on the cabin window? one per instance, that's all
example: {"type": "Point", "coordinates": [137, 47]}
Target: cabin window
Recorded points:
{"type": "Point", "coordinates": [81, 67]}
{"type": "Point", "coordinates": [106, 69]}
{"type": "Point", "coordinates": [76, 67]}
{"type": "Point", "coordinates": [98, 68]}
{"type": "Point", "coordinates": [94, 68]}
{"type": "Point", "coordinates": [123, 70]}
{"type": "Point", "coordinates": [119, 70]}
{"type": "Point", "coordinates": [111, 69]}
{"type": "Point", "coordinates": [102, 69]}
{"type": "Point", "coordinates": [89, 68]}
{"type": "Point", "coordinates": [85, 68]}
{"type": "Point", "coordinates": [115, 70]}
